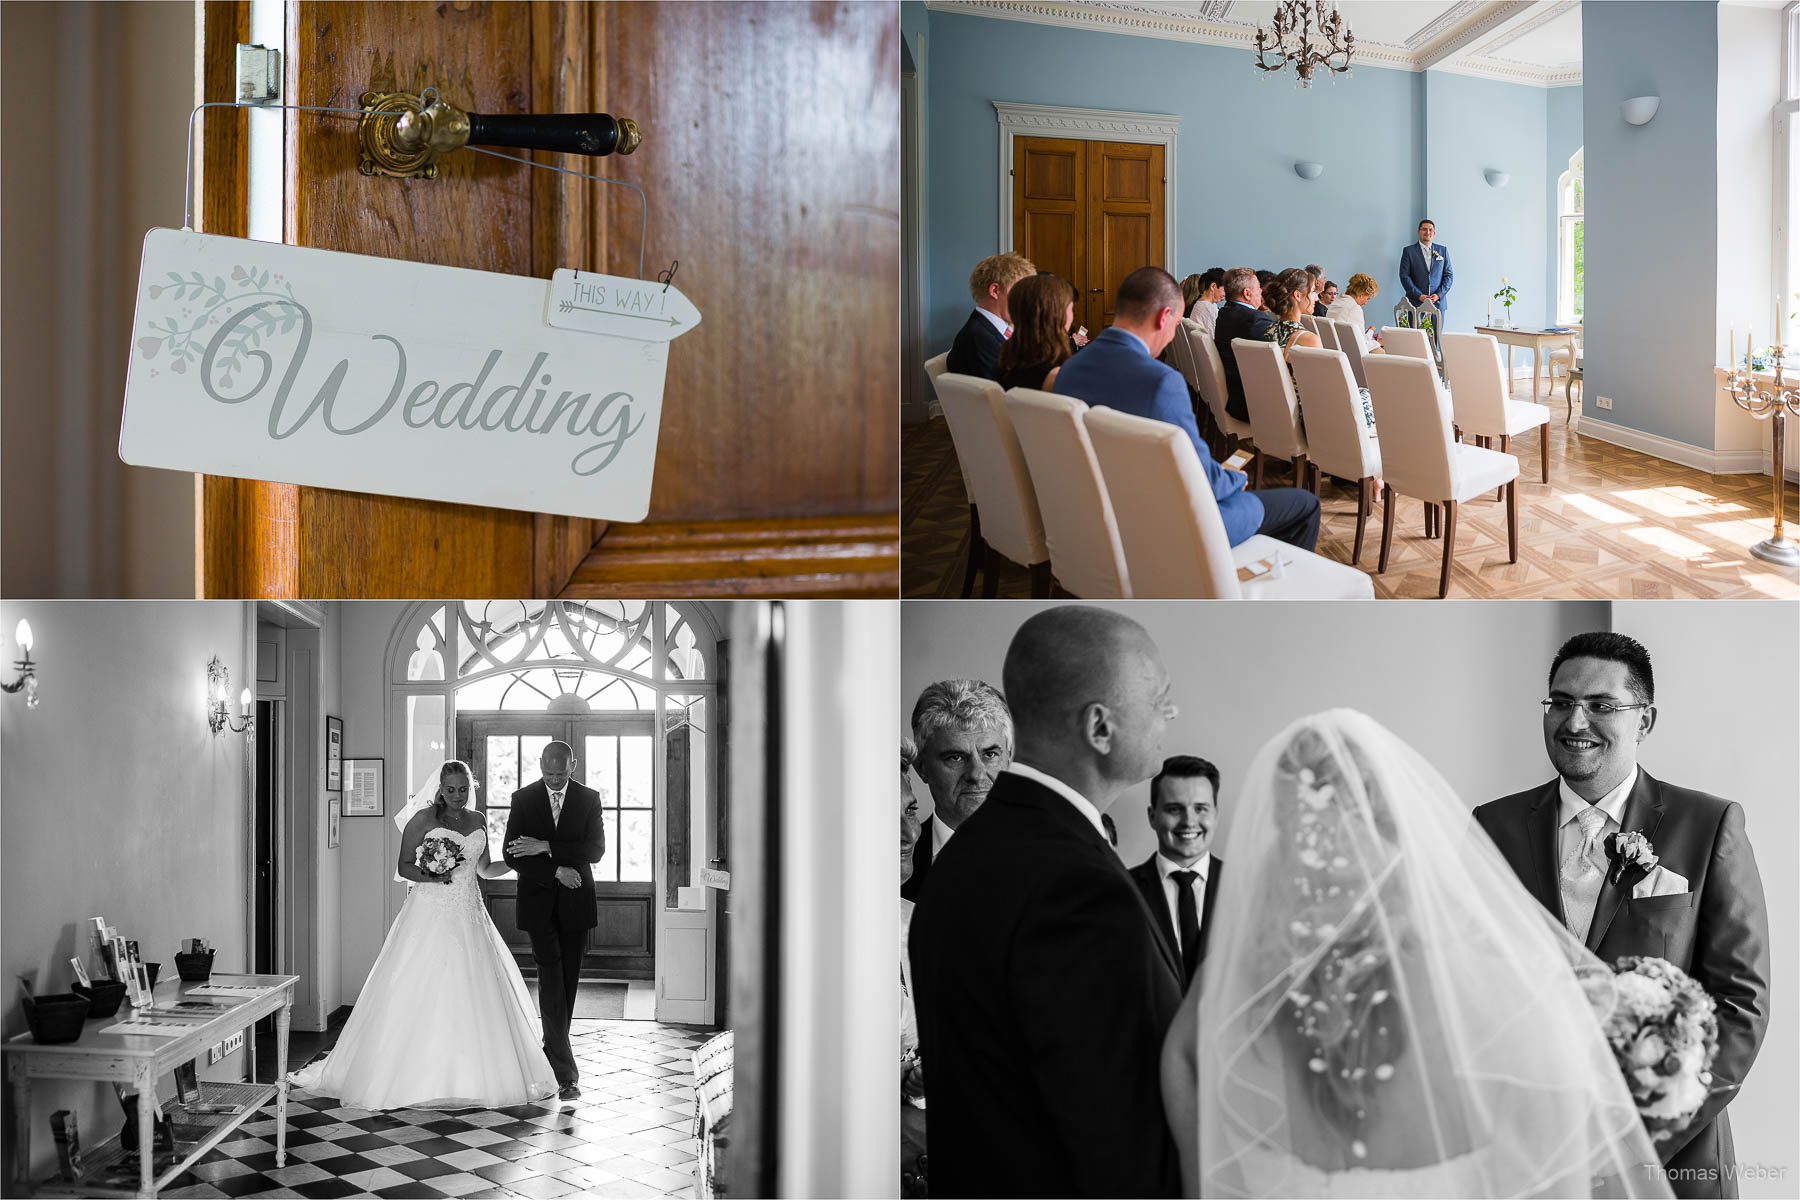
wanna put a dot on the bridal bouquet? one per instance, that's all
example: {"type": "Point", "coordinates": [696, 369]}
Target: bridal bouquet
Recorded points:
{"type": "Point", "coordinates": [438, 856]}
{"type": "Point", "coordinates": [1664, 1031]}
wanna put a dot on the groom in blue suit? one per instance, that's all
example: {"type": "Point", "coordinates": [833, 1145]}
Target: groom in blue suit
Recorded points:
{"type": "Point", "coordinates": [1425, 271]}
{"type": "Point", "coordinates": [1119, 370]}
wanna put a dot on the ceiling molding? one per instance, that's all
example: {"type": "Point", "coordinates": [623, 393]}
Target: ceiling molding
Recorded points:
{"type": "Point", "coordinates": [1458, 40]}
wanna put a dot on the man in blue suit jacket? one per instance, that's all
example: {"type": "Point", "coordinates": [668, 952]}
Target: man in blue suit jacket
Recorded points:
{"type": "Point", "coordinates": [1425, 270]}
{"type": "Point", "coordinates": [1119, 370]}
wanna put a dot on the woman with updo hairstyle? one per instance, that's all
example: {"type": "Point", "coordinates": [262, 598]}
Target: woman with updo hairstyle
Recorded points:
{"type": "Point", "coordinates": [1289, 295]}
{"type": "Point", "coordinates": [1043, 310]}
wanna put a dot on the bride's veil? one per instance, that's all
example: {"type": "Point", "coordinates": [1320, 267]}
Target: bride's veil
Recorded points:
{"type": "Point", "coordinates": [1381, 994]}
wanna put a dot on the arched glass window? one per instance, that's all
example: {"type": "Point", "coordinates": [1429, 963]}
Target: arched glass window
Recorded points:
{"type": "Point", "coordinates": [1571, 254]}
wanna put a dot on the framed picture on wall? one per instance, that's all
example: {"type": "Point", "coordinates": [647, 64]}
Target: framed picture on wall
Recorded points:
{"type": "Point", "coordinates": [334, 812]}
{"type": "Point", "coordinates": [334, 754]}
{"type": "Point", "coordinates": [362, 796]}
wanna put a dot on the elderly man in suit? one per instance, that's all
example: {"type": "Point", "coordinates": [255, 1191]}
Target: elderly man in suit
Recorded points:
{"type": "Point", "coordinates": [1119, 370]}
{"type": "Point", "coordinates": [964, 736]}
{"type": "Point", "coordinates": [1700, 906]}
{"type": "Point", "coordinates": [1425, 271]}
{"type": "Point", "coordinates": [1044, 992]}
{"type": "Point", "coordinates": [976, 350]}
{"type": "Point", "coordinates": [1180, 880]}
{"type": "Point", "coordinates": [1240, 316]}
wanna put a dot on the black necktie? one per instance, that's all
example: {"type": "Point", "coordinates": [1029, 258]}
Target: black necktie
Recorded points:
{"type": "Point", "coordinates": [1188, 912]}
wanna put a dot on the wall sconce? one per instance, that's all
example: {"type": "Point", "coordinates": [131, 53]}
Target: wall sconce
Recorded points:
{"type": "Point", "coordinates": [1639, 109]}
{"type": "Point", "coordinates": [27, 669]}
{"type": "Point", "coordinates": [218, 683]}
{"type": "Point", "coordinates": [1309, 170]}
{"type": "Point", "coordinates": [1496, 179]}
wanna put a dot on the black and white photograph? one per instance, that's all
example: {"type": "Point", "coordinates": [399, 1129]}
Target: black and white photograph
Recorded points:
{"type": "Point", "coordinates": [1311, 900]}
{"type": "Point", "coordinates": [614, 905]}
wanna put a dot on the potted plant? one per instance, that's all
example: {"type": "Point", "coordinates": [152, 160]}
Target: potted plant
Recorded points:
{"type": "Point", "coordinates": [1506, 295]}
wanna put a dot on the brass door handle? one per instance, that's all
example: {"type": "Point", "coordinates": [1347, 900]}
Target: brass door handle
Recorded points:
{"type": "Point", "coordinates": [1096, 291]}
{"type": "Point", "coordinates": [403, 136]}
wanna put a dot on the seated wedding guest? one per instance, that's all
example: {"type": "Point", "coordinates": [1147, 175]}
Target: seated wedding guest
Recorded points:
{"type": "Point", "coordinates": [1212, 293]}
{"type": "Point", "coordinates": [965, 738]}
{"type": "Point", "coordinates": [1327, 297]}
{"type": "Point", "coordinates": [912, 1071]}
{"type": "Point", "coordinates": [1349, 307]}
{"type": "Point", "coordinates": [976, 350]}
{"type": "Point", "coordinates": [1265, 278]}
{"type": "Point", "coordinates": [1240, 316]}
{"type": "Point", "coordinates": [1315, 307]}
{"type": "Point", "coordinates": [1043, 309]}
{"type": "Point", "coordinates": [1181, 878]}
{"type": "Point", "coordinates": [1190, 292]}
{"type": "Point", "coordinates": [1119, 370]}
{"type": "Point", "coordinates": [1286, 297]}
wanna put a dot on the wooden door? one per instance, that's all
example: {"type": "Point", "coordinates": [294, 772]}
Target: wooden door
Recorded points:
{"type": "Point", "coordinates": [1091, 212]}
{"type": "Point", "coordinates": [770, 159]}
{"type": "Point", "coordinates": [612, 756]}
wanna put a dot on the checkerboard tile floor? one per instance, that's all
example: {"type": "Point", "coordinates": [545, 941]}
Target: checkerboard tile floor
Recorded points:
{"type": "Point", "coordinates": [630, 1134]}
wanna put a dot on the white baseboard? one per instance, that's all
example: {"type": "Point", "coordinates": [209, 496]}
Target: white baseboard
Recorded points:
{"type": "Point", "coordinates": [1713, 462]}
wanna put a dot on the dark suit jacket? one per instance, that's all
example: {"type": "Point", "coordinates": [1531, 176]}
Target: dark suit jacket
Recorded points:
{"type": "Point", "coordinates": [1043, 994]}
{"type": "Point", "coordinates": [577, 840]}
{"type": "Point", "coordinates": [1149, 882]}
{"type": "Point", "coordinates": [1718, 933]}
{"type": "Point", "coordinates": [976, 350]}
{"type": "Point", "coordinates": [1238, 320]}
{"type": "Point", "coordinates": [1417, 277]}
{"type": "Point", "coordinates": [1115, 370]}
{"type": "Point", "coordinates": [914, 887]}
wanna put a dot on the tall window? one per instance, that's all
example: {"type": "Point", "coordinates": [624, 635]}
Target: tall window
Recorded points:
{"type": "Point", "coordinates": [1571, 249]}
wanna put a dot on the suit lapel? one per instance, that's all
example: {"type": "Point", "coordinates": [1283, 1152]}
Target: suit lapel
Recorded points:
{"type": "Point", "coordinates": [1643, 813]}
{"type": "Point", "coordinates": [1150, 886]}
{"type": "Point", "coordinates": [1541, 847]}
{"type": "Point", "coordinates": [1206, 910]}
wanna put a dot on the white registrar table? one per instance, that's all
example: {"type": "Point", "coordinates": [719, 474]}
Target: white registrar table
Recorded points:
{"type": "Point", "coordinates": [141, 1060]}
{"type": "Point", "coordinates": [1538, 341]}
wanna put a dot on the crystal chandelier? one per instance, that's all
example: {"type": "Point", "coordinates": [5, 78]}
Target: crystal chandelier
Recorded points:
{"type": "Point", "coordinates": [1307, 35]}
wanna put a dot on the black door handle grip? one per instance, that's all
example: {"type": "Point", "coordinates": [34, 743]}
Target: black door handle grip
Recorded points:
{"type": "Point", "coordinates": [597, 134]}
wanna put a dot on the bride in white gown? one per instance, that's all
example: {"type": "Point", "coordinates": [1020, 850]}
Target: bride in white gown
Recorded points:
{"type": "Point", "coordinates": [1384, 1010]}
{"type": "Point", "coordinates": [444, 1019]}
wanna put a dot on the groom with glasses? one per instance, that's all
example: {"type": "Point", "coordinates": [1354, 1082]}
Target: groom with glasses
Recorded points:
{"type": "Point", "coordinates": [1699, 905]}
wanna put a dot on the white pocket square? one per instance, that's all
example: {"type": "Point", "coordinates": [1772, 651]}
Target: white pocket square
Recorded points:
{"type": "Point", "coordinates": [1660, 882]}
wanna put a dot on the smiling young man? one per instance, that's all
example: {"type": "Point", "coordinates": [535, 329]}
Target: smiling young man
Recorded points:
{"type": "Point", "coordinates": [1180, 880]}
{"type": "Point", "coordinates": [1700, 906]}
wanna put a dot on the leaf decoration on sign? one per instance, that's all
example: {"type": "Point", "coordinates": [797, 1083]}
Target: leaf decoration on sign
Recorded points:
{"type": "Point", "coordinates": [218, 300]}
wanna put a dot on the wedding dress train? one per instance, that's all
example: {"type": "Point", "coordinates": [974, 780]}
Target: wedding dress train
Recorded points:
{"type": "Point", "coordinates": [444, 1020]}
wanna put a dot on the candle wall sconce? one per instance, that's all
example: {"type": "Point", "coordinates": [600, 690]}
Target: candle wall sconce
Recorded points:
{"type": "Point", "coordinates": [404, 135]}
{"type": "Point", "coordinates": [24, 666]}
{"type": "Point", "coordinates": [218, 683]}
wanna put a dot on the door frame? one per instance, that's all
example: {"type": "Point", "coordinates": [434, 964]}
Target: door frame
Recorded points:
{"type": "Point", "coordinates": [1088, 125]}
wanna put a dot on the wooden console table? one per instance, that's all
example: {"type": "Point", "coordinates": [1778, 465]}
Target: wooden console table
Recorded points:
{"type": "Point", "coordinates": [142, 1059]}
{"type": "Point", "coordinates": [1538, 341]}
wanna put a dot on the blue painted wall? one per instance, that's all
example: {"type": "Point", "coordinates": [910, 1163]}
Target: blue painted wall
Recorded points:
{"type": "Point", "coordinates": [1657, 185]}
{"type": "Point", "coordinates": [1562, 138]}
{"type": "Point", "coordinates": [1472, 125]}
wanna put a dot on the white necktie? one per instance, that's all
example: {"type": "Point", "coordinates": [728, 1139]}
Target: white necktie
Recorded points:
{"type": "Point", "coordinates": [1582, 872]}
{"type": "Point", "coordinates": [555, 807]}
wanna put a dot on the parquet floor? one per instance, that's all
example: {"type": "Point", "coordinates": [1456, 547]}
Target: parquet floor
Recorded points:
{"type": "Point", "coordinates": [1611, 524]}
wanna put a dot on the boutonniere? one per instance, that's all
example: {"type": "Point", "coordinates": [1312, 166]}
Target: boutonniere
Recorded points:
{"type": "Point", "coordinates": [1435, 256]}
{"type": "Point", "coordinates": [1630, 851]}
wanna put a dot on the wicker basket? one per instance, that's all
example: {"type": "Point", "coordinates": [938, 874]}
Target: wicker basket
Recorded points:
{"type": "Point", "coordinates": [103, 998]}
{"type": "Point", "coordinates": [194, 968]}
{"type": "Point", "coordinates": [57, 1018]}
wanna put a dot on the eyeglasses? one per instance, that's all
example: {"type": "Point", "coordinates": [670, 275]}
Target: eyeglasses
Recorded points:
{"type": "Point", "coordinates": [1593, 708]}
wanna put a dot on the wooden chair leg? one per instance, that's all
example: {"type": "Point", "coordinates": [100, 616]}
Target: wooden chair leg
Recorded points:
{"type": "Point", "coordinates": [1256, 472]}
{"type": "Point", "coordinates": [1505, 448]}
{"type": "Point", "coordinates": [1387, 524]}
{"type": "Point", "coordinates": [976, 546]}
{"type": "Point", "coordinates": [1318, 477]}
{"type": "Point", "coordinates": [991, 565]}
{"type": "Point", "coordinates": [1299, 464]}
{"type": "Point", "coordinates": [1362, 517]}
{"type": "Point", "coordinates": [1041, 580]}
{"type": "Point", "coordinates": [1512, 521]}
{"type": "Point", "coordinates": [1430, 518]}
{"type": "Point", "coordinates": [1449, 547]}
{"type": "Point", "coordinates": [1544, 449]}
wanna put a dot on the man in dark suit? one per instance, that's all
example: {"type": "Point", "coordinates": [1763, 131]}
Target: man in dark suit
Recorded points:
{"type": "Point", "coordinates": [1425, 271]}
{"type": "Point", "coordinates": [1119, 370]}
{"type": "Point", "coordinates": [1180, 880]}
{"type": "Point", "coordinates": [1043, 992]}
{"type": "Point", "coordinates": [964, 735]}
{"type": "Point", "coordinates": [553, 836]}
{"type": "Point", "coordinates": [1700, 907]}
{"type": "Point", "coordinates": [976, 350]}
{"type": "Point", "coordinates": [1241, 316]}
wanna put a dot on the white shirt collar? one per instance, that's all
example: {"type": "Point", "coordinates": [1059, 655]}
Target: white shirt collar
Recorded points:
{"type": "Point", "coordinates": [998, 323]}
{"type": "Point", "coordinates": [1082, 804]}
{"type": "Point", "coordinates": [1612, 804]}
{"type": "Point", "coordinates": [1166, 867]}
{"type": "Point", "coordinates": [940, 834]}
{"type": "Point", "coordinates": [1425, 249]}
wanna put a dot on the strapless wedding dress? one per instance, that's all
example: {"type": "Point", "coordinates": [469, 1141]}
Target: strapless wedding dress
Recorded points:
{"type": "Point", "coordinates": [1274, 1173]}
{"type": "Point", "coordinates": [445, 1019]}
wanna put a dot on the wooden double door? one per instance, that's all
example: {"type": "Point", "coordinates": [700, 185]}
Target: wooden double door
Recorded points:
{"type": "Point", "coordinates": [614, 756]}
{"type": "Point", "coordinates": [1091, 212]}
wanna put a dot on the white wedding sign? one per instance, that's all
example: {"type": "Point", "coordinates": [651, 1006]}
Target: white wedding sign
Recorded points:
{"type": "Point", "coordinates": [266, 361]}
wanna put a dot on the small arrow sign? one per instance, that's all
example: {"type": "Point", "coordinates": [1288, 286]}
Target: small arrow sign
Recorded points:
{"type": "Point", "coordinates": [641, 309]}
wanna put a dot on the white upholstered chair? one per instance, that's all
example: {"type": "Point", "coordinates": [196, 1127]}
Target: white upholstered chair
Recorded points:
{"type": "Point", "coordinates": [1086, 556]}
{"type": "Point", "coordinates": [1174, 538]}
{"type": "Point", "coordinates": [1194, 353]}
{"type": "Point", "coordinates": [1478, 385]}
{"type": "Point", "coordinates": [934, 370]}
{"type": "Point", "coordinates": [1412, 343]}
{"type": "Point", "coordinates": [1341, 442]}
{"type": "Point", "coordinates": [1274, 409]}
{"type": "Point", "coordinates": [1349, 340]}
{"type": "Point", "coordinates": [1421, 458]}
{"type": "Point", "coordinates": [999, 479]}
{"type": "Point", "coordinates": [1327, 331]}
{"type": "Point", "coordinates": [1308, 323]}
